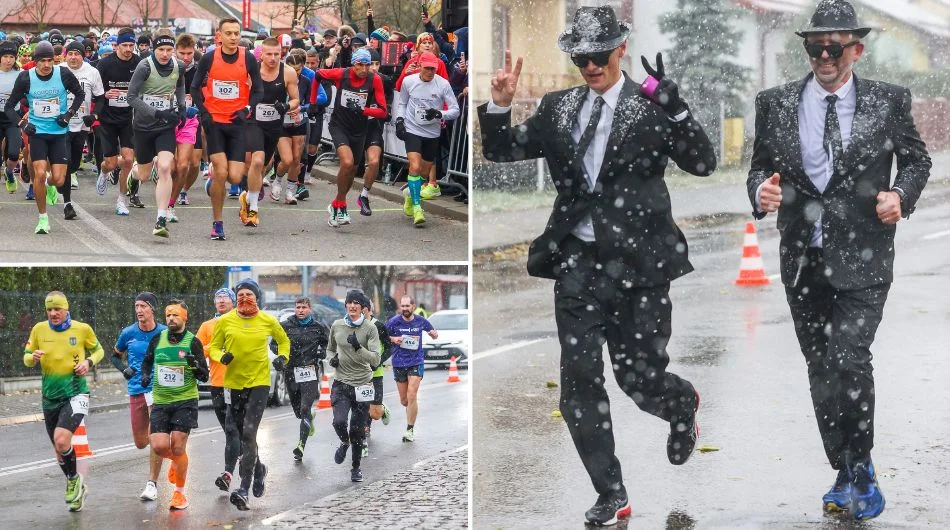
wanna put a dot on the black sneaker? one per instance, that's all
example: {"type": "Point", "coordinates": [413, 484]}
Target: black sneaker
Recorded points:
{"type": "Point", "coordinates": [364, 205]}
{"type": "Point", "coordinates": [239, 499]}
{"type": "Point", "coordinates": [69, 212]}
{"type": "Point", "coordinates": [223, 482]}
{"type": "Point", "coordinates": [683, 435]}
{"type": "Point", "coordinates": [257, 486]}
{"type": "Point", "coordinates": [340, 454]}
{"type": "Point", "coordinates": [608, 509]}
{"type": "Point", "coordinates": [114, 177]}
{"type": "Point", "coordinates": [135, 201]}
{"type": "Point", "coordinates": [160, 230]}
{"type": "Point", "coordinates": [301, 193]}
{"type": "Point", "coordinates": [356, 475]}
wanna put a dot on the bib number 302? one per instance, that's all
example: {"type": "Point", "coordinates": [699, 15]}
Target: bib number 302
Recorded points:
{"type": "Point", "coordinates": [225, 89]}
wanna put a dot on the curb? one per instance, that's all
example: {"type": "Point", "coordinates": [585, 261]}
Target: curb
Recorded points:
{"type": "Point", "coordinates": [394, 194]}
{"type": "Point", "coordinates": [28, 418]}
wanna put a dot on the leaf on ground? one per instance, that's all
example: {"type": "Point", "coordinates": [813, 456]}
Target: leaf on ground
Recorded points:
{"type": "Point", "coordinates": [556, 414]}
{"type": "Point", "coordinates": [707, 449]}
{"type": "Point", "coordinates": [551, 384]}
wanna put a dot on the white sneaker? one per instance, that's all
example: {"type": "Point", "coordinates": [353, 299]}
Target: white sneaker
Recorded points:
{"type": "Point", "coordinates": [289, 198]}
{"type": "Point", "coordinates": [101, 183]}
{"type": "Point", "coordinates": [386, 414]}
{"type": "Point", "coordinates": [409, 435]}
{"type": "Point", "coordinates": [150, 493]}
{"type": "Point", "coordinates": [275, 191]}
{"type": "Point", "coordinates": [171, 217]}
{"type": "Point", "coordinates": [121, 208]}
{"type": "Point", "coordinates": [74, 182]}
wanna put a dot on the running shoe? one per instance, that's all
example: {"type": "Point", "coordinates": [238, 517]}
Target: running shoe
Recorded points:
{"type": "Point", "coordinates": [239, 499]}
{"type": "Point", "coordinates": [275, 191]}
{"type": "Point", "coordinates": [172, 218]}
{"type": "Point", "coordinates": [340, 454]}
{"type": "Point", "coordinates": [179, 501]}
{"type": "Point", "coordinates": [364, 205]}
{"type": "Point", "coordinates": [42, 225]}
{"type": "Point", "coordinates": [101, 183]}
{"type": "Point", "coordinates": [29, 193]}
{"type": "Point", "coordinates": [132, 183]}
{"type": "Point", "coordinates": [289, 198]}
{"type": "Point", "coordinates": [683, 435]}
{"type": "Point", "coordinates": [208, 187]}
{"type": "Point", "coordinates": [418, 216]}
{"type": "Point", "coordinates": [69, 212]}
{"type": "Point", "coordinates": [234, 191]}
{"type": "Point", "coordinates": [365, 449]}
{"type": "Point", "coordinates": [153, 176]}
{"type": "Point", "coordinates": [343, 218]}
{"type": "Point", "coordinates": [258, 486]}
{"type": "Point", "coordinates": [217, 230]}
{"type": "Point", "coordinates": [867, 501]}
{"type": "Point", "coordinates": [74, 487]}
{"type": "Point", "coordinates": [121, 208]}
{"type": "Point", "coordinates": [76, 505]}
{"type": "Point", "coordinates": [50, 194]}
{"type": "Point", "coordinates": [407, 207]}
{"type": "Point", "coordinates": [183, 198]}
{"type": "Point", "coordinates": [114, 177]}
{"type": "Point", "coordinates": [223, 482]}
{"type": "Point", "coordinates": [10, 181]}
{"type": "Point", "coordinates": [313, 428]}
{"type": "Point", "coordinates": [298, 452]}
{"type": "Point", "coordinates": [608, 509]}
{"type": "Point", "coordinates": [261, 194]}
{"type": "Point", "coordinates": [356, 475]}
{"type": "Point", "coordinates": [387, 415]}
{"type": "Point", "coordinates": [150, 493]}
{"type": "Point", "coordinates": [242, 212]}
{"type": "Point", "coordinates": [333, 213]}
{"type": "Point", "coordinates": [838, 498]}
{"type": "Point", "coordinates": [409, 436]}
{"type": "Point", "coordinates": [160, 229]}
{"type": "Point", "coordinates": [74, 182]}
{"type": "Point", "coordinates": [309, 179]}
{"type": "Point", "coordinates": [302, 193]}
{"type": "Point", "coordinates": [431, 192]}
{"type": "Point", "coordinates": [253, 219]}
{"type": "Point", "coordinates": [135, 201]}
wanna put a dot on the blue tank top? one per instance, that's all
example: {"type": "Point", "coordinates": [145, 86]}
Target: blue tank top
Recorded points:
{"type": "Point", "coordinates": [47, 100]}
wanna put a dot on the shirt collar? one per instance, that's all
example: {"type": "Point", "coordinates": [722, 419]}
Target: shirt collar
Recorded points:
{"type": "Point", "coordinates": [611, 96]}
{"type": "Point", "coordinates": [842, 92]}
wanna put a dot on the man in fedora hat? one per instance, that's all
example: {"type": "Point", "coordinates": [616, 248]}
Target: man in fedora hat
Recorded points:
{"type": "Point", "coordinates": [822, 158]}
{"type": "Point", "coordinates": [611, 243]}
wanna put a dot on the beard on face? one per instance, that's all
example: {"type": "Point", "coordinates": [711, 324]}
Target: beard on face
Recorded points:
{"type": "Point", "coordinates": [407, 313]}
{"type": "Point", "coordinates": [176, 327]}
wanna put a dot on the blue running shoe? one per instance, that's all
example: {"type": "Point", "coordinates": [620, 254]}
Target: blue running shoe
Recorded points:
{"type": "Point", "coordinates": [838, 498]}
{"type": "Point", "coordinates": [235, 191]}
{"type": "Point", "coordinates": [29, 193]}
{"type": "Point", "coordinates": [208, 187]}
{"type": "Point", "coordinates": [867, 501]}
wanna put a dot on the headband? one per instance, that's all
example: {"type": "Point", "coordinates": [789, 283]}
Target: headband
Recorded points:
{"type": "Point", "coordinates": [172, 309]}
{"type": "Point", "coordinates": [126, 37]}
{"type": "Point", "coordinates": [164, 40]}
{"type": "Point", "coordinates": [56, 301]}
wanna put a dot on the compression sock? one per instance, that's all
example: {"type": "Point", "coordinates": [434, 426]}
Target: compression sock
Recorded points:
{"type": "Point", "coordinates": [69, 463]}
{"type": "Point", "coordinates": [415, 189]}
{"type": "Point", "coordinates": [311, 159]}
{"type": "Point", "coordinates": [66, 190]}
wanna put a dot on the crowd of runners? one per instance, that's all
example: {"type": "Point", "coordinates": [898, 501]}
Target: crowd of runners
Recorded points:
{"type": "Point", "coordinates": [163, 363]}
{"type": "Point", "coordinates": [246, 115]}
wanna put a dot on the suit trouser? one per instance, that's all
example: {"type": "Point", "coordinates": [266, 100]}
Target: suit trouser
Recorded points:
{"type": "Point", "coordinates": [835, 330]}
{"type": "Point", "coordinates": [592, 309]}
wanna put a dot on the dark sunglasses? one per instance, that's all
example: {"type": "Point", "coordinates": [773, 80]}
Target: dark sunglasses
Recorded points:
{"type": "Point", "coordinates": [599, 59]}
{"type": "Point", "coordinates": [835, 50]}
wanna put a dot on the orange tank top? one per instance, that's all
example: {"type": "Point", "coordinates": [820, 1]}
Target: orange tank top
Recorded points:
{"type": "Point", "coordinates": [228, 88]}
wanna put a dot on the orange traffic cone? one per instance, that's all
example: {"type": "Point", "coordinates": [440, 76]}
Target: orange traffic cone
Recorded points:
{"type": "Point", "coordinates": [324, 402]}
{"type": "Point", "coordinates": [453, 372]}
{"type": "Point", "coordinates": [81, 441]}
{"type": "Point", "coordinates": [751, 269]}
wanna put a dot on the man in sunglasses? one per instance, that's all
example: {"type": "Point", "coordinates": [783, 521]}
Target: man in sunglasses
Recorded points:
{"type": "Point", "coordinates": [822, 158]}
{"type": "Point", "coordinates": [611, 243]}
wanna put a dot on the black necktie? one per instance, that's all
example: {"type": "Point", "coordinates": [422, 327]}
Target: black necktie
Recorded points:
{"type": "Point", "coordinates": [588, 136]}
{"type": "Point", "coordinates": [832, 140]}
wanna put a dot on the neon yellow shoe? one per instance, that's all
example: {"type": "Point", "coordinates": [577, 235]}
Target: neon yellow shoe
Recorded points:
{"type": "Point", "coordinates": [431, 192]}
{"type": "Point", "coordinates": [408, 206]}
{"type": "Point", "coordinates": [418, 216]}
{"type": "Point", "coordinates": [74, 487]}
{"type": "Point", "coordinates": [42, 226]}
{"type": "Point", "coordinates": [50, 194]}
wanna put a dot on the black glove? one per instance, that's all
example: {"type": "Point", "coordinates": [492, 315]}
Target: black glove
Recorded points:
{"type": "Point", "coordinates": [88, 120]}
{"type": "Point", "coordinates": [312, 110]}
{"type": "Point", "coordinates": [191, 360]}
{"type": "Point", "coordinates": [146, 380]}
{"type": "Point", "coordinates": [401, 129]}
{"type": "Point", "coordinates": [279, 363]}
{"type": "Point", "coordinates": [353, 341]}
{"type": "Point", "coordinates": [239, 116]}
{"type": "Point", "coordinates": [63, 119]}
{"type": "Point", "coordinates": [353, 105]}
{"type": "Point", "coordinates": [167, 116]}
{"type": "Point", "coordinates": [335, 361]}
{"type": "Point", "coordinates": [28, 128]}
{"type": "Point", "coordinates": [280, 107]}
{"type": "Point", "coordinates": [128, 373]}
{"type": "Point", "coordinates": [226, 358]}
{"type": "Point", "coordinates": [432, 114]}
{"type": "Point", "coordinates": [667, 93]}
{"type": "Point", "coordinates": [206, 120]}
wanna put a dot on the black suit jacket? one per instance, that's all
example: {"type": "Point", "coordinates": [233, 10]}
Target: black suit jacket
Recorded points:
{"type": "Point", "coordinates": [858, 247]}
{"type": "Point", "coordinates": [637, 240]}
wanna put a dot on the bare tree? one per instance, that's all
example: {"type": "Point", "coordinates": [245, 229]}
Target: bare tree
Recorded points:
{"type": "Point", "coordinates": [99, 14]}
{"type": "Point", "coordinates": [36, 11]}
{"type": "Point", "coordinates": [377, 283]}
{"type": "Point", "coordinates": [148, 9]}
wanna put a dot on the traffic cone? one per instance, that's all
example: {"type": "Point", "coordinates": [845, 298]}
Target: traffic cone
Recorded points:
{"type": "Point", "coordinates": [81, 441]}
{"type": "Point", "coordinates": [751, 268]}
{"type": "Point", "coordinates": [453, 372]}
{"type": "Point", "coordinates": [324, 402]}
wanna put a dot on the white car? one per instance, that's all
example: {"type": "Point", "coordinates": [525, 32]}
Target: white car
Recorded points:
{"type": "Point", "coordinates": [452, 325]}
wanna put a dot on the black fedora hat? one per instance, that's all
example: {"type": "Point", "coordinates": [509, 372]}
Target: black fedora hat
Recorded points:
{"type": "Point", "coordinates": [835, 15]}
{"type": "Point", "coordinates": [594, 29]}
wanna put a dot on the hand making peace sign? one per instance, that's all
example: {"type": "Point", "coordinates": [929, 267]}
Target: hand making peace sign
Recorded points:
{"type": "Point", "coordinates": [505, 82]}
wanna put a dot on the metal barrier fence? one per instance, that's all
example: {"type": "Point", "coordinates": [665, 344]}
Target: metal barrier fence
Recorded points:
{"type": "Point", "coordinates": [106, 313]}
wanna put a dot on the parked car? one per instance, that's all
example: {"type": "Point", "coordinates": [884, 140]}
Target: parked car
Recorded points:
{"type": "Point", "coordinates": [452, 325]}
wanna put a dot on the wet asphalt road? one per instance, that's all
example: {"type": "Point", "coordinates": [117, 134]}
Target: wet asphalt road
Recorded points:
{"type": "Point", "coordinates": [286, 233]}
{"type": "Point", "coordinates": [737, 345]}
{"type": "Point", "coordinates": [33, 493]}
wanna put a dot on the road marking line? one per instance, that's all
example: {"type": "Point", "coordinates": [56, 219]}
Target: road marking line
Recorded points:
{"type": "Point", "coordinates": [506, 348]}
{"type": "Point", "coordinates": [117, 240]}
{"type": "Point", "coordinates": [937, 235]}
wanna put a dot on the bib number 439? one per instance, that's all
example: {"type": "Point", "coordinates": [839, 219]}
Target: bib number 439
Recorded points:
{"type": "Point", "coordinates": [365, 393]}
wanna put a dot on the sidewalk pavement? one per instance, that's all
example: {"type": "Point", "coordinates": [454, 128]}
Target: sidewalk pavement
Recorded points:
{"type": "Point", "coordinates": [26, 406]}
{"type": "Point", "coordinates": [443, 206]}
{"type": "Point", "coordinates": [494, 230]}
{"type": "Point", "coordinates": [433, 494]}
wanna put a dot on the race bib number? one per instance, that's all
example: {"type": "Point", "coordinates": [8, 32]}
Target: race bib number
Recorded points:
{"type": "Point", "coordinates": [225, 89]}
{"type": "Point", "coordinates": [227, 396]}
{"type": "Point", "coordinates": [79, 403]}
{"type": "Point", "coordinates": [3, 99]}
{"type": "Point", "coordinates": [266, 112]}
{"type": "Point", "coordinates": [121, 100]}
{"type": "Point", "coordinates": [46, 108]}
{"type": "Point", "coordinates": [347, 96]}
{"type": "Point", "coordinates": [410, 342]}
{"type": "Point", "coordinates": [421, 114]}
{"type": "Point", "coordinates": [289, 120]}
{"type": "Point", "coordinates": [188, 102]}
{"type": "Point", "coordinates": [149, 399]}
{"type": "Point", "coordinates": [157, 102]}
{"type": "Point", "coordinates": [365, 393]}
{"type": "Point", "coordinates": [171, 376]}
{"type": "Point", "coordinates": [303, 374]}
{"type": "Point", "coordinates": [79, 113]}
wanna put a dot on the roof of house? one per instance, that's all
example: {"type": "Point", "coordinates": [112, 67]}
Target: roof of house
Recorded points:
{"type": "Point", "coordinates": [85, 12]}
{"type": "Point", "coordinates": [280, 14]}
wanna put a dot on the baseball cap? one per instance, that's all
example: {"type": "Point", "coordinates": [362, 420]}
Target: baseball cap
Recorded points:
{"type": "Point", "coordinates": [428, 60]}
